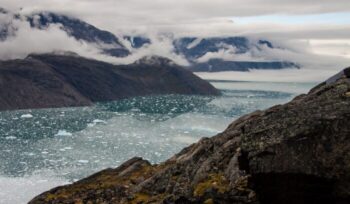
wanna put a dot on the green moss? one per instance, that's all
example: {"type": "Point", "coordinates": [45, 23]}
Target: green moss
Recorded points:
{"type": "Point", "coordinates": [105, 180]}
{"type": "Point", "coordinates": [214, 181]}
{"type": "Point", "coordinates": [145, 198]}
{"type": "Point", "coordinates": [141, 198]}
{"type": "Point", "coordinates": [109, 179]}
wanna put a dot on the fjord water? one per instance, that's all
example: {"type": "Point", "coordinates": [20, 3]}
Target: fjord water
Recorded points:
{"type": "Point", "coordinates": [40, 149]}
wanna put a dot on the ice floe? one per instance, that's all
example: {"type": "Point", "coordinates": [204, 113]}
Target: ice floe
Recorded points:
{"type": "Point", "coordinates": [63, 133]}
{"type": "Point", "coordinates": [27, 116]}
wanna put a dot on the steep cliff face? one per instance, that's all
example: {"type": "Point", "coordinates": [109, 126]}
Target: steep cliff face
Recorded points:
{"type": "Point", "coordinates": [45, 81]}
{"type": "Point", "coordinates": [293, 153]}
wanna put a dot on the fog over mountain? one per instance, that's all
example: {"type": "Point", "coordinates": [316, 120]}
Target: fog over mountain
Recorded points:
{"type": "Point", "coordinates": [189, 33]}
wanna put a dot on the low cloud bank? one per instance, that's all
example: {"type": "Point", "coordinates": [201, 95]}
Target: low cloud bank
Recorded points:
{"type": "Point", "coordinates": [319, 58]}
{"type": "Point", "coordinates": [285, 75]}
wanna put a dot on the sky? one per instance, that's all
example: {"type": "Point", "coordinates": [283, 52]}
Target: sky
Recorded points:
{"type": "Point", "coordinates": [306, 26]}
{"type": "Point", "coordinates": [340, 18]}
{"type": "Point", "coordinates": [142, 15]}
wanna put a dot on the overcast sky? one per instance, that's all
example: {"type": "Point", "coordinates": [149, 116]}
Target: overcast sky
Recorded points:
{"type": "Point", "coordinates": [321, 27]}
{"type": "Point", "coordinates": [116, 14]}
{"type": "Point", "coordinates": [292, 19]}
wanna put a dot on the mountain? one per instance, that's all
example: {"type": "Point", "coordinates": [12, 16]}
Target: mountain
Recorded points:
{"type": "Point", "coordinates": [80, 30]}
{"type": "Point", "coordinates": [297, 153]}
{"type": "Point", "coordinates": [48, 80]}
{"type": "Point", "coordinates": [217, 65]}
{"type": "Point", "coordinates": [191, 48]}
{"type": "Point", "coordinates": [137, 41]}
{"type": "Point", "coordinates": [195, 48]}
{"type": "Point", "coordinates": [4, 26]}
{"type": "Point", "coordinates": [109, 43]}
{"type": "Point", "coordinates": [3, 11]}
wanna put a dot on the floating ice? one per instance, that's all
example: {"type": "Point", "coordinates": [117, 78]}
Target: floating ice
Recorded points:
{"type": "Point", "coordinates": [30, 186]}
{"type": "Point", "coordinates": [27, 116]}
{"type": "Point", "coordinates": [99, 121]}
{"type": "Point", "coordinates": [135, 110]}
{"type": "Point", "coordinates": [63, 133]}
{"type": "Point", "coordinates": [107, 134]}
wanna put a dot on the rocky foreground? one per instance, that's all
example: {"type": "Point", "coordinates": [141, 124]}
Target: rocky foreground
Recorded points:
{"type": "Point", "coordinates": [51, 80]}
{"type": "Point", "coordinates": [293, 153]}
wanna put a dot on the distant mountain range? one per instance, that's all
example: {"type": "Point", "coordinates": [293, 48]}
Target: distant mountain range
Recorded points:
{"type": "Point", "coordinates": [51, 80]}
{"type": "Point", "coordinates": [191, 48]}
{"type": "Point", "coordinates": [195, 48]}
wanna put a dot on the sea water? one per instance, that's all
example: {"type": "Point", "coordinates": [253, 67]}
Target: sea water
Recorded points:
{"type": "Point", "coordinates": [41, 149]}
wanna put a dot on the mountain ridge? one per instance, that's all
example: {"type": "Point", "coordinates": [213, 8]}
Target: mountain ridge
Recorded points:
{"type": "Point", "coordinates": [47, 81]}
{"type": "Point", "coordinates": [190, 48]}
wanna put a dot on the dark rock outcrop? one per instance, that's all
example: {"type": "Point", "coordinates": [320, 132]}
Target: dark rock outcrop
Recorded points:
{"type": "Point", "coordinates": [293, 153]}
{"type": "Point", "coordinates": [44, 81]}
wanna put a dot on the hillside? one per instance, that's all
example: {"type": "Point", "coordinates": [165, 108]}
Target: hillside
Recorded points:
{"type": "Point", "coordinates": [46, 81]}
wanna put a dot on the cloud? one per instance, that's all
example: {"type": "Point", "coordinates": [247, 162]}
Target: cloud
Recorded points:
{"type": "Point", "coordinates": [151, 10]}
{"type": "Point", "coordinates": [321, 45]}
{"type": "Point", "coordinates": [300, 52]}
{"type": "Point", "coordinates": [285, 75]}
{"type": "Point", "coordinates": [229, 53]}
{"type": "Point", "coordinates": [161, 46]}
{"type": "Point", "coordinates": [195, 17]}
{"type": "Point", "coordinates": [335, 47]}
{"type": "Point", "coordinates": [26, 40]}
{"type": "Point", "coordinates": [131, 15]}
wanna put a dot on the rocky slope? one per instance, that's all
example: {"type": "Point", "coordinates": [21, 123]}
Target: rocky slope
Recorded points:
{"type": "Point", "coordinates": [44, 81]}
{"type": "Point", "coordinates": [293, 153]}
